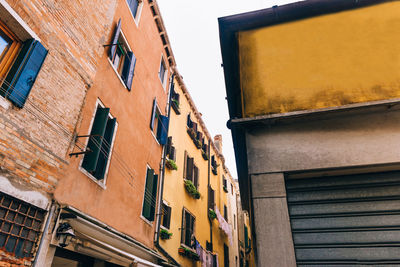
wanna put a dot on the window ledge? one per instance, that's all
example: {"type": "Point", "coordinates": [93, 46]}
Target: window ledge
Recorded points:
{"type": "Point", "coordinates": [98, 182]}
{"type": "Point", "coordinates": [116, 72]}
{"type": "Point", "coordinates": [4, 103]}
{"type": "Point", "coordinates": [146, 221]}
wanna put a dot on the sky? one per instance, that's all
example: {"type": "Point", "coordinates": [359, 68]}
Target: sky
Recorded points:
{"type": "Point", "coordinates": [192, 28]}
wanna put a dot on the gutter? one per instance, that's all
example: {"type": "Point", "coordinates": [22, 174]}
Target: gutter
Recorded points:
{"type": "Point", "coordinates": [161, 185]}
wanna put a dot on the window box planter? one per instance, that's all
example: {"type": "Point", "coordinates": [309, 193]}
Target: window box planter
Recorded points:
{"type": "Point", "coordinates": [225, 189]}
{"type": "Point", "coordinates": [164, 234]}
{"type": "Point", "coordinates": [211, 214]}
{"type": "Point", "coordinates": [170, 164]}
{"type": "Point", "coordinates": [204, 154]}
{"type": "Point", "coordinates": [188, 253]}
{"type": "Point", "coordinates": [175, 106]}
{"type": "Point", "coordinates": [191, 189]}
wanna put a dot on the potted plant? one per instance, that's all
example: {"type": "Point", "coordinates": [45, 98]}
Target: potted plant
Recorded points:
{"type": "Point", "coordinates": [170, 164]}
{"type": "Point", "coordinates": [214, 170]}
{"type": "Point", "coordinates": [204, 154]}
{"type": "Point", "coordinates": [164, 234]}
{"type": "Point", "coordinates": [197, 143]}
{"type": "Point", "coordinates": [191, 133]}
{"type": "Point", "coordinates": [211, 214]}
{"type": "Point", "coordinates": [181, 250]}
{"type": "Point", "coordinates": [225, 189]}
{"type": "Point", "coordinates": [191, 189]}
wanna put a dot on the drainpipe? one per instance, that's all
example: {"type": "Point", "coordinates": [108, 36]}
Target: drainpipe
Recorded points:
{"type": "Point", "coordinates": [45, 232]}
{"type": "Point", "coordinates": [161, 185]}
{"type": "Point", "coordinates": [209, 185]}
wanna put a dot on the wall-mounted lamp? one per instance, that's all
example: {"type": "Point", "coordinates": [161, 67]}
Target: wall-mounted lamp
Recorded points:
{"type": "Point", "coordinates": [64, 234]}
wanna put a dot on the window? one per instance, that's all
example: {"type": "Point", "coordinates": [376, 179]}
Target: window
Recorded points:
{"type": "Point", "coordinates": [232, 189]}
{"type": "Point", "coordinates": [226, 256]}
{"type": "Point", "coordinates": [170, 149]}
{"type": "Point", "coordinates": [246, 237]}
{"type": "Point", "coordinates": [224, 184]}
{"type": "Point", "coordinates": [175, 102]}
{"type": "Point", "coordinates": [214, 165]}
{"type": "Point", "coordinates": [99, 146]}
{"type": "Point", "coordinates": [121, 57]}
{"type": "Point", "coordinates": [150, 195]}
{"type": "Point", "coordinates": [166, 215]}
{"type": "Point", "coordinates": [162, 73]}
{"type": "Point", "coordinates": [225, 213]}
{"type": "Point", "coordinates": [20, 226]}
{"type": "Point", "coordinates": [20, 63]}
{"type": "Point", "coordinates": [134, 6]}
{"type": "Point", "coordinates": [159, 124]}
{"type": "Point", "coordinates": [211, 198]}
{"type": "Point", "coordinates": [191, 171]}
{"type": "Point", "coordinates": [188, 227]}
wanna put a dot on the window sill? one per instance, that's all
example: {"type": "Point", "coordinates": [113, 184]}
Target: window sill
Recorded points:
{"type": "Point", "coordinates": [116, 72]}
{"type": "Point", "coordinates": [146, 221]}
{"type": "Point", "coordinates": [91, 177]}
{"type": "Point", "coordinates": [4, 103]}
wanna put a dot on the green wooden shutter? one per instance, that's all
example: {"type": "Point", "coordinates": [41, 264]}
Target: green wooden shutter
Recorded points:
{"type": "Point", "coordinates": [95, 140]}
{"type": "Point", "coordinates": [172, 154]}
{"type": "Point", "coordinates": [168, 147]}
{"type": "Point", "coordinates": [105, 148]}
{"type": "Point", "coordinates": [148, 195]}
{"type": "Point", "coordinates": [154, 197]}
{"type": "Point", "coordinates": [153, 114]}
{"type": "Point", "coordinates": [185, 157]}
{"type": "Point", "coordinates": [113, 45]}
{"type": "Point", "coordinates": [24, 71]}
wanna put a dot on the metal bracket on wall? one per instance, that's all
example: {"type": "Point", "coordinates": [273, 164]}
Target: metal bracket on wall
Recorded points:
{"type": "Point", "coordinates": [88, 150]}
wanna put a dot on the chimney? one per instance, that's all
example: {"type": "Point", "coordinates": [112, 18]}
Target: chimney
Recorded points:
{"type": "Point", "coordinates": [218, 142]}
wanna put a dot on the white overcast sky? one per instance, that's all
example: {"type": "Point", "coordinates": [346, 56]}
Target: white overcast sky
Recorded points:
{"type": "Point", "coordinates": [192, 28]}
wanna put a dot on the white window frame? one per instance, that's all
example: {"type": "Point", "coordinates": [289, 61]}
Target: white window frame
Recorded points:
{"type": "Point", "coordinates": [102, 182]}
{"type": "Point", "coordinates": [111, 63]}
{"type": "Point", "coordinates": [144, 192]}
{"type": "Point", "coordinates": [138, 12]}
{"type": "Point", "coordinates": [164, 81]}
{"type": "Point", "coordinates": [155, 130]}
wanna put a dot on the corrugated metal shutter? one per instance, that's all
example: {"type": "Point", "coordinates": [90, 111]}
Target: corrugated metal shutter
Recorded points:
{"type": "Point", "coordinates": [346, 220]}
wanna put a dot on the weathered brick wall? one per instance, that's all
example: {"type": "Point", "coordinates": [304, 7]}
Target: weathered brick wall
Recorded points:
{"type": "Point", "coordinates": [35, 140]}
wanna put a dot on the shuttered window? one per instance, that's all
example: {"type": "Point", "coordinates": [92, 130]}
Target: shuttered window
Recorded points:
{"type": "Point", "coordinates": [191, 171]}
{"type": "Point", "coordinates": [226, 256]}
{"type": "Point", "coordinates": [188, 227]}
{"type": "Point", "coordinates": [162, 73]}
{"type": "Point", "coordinates": [166, 216]}
{"type": "Point", "coordinates": [159, 124]}
{"type": "Point", "coordinates": [100, 142]}
{"type": "Point", "coordinates": [211, 198]}
{"type": "Point", "coordinates": [150, 195]}
{"type": "Point", "coordinates": [225, 213]}
{"type": "Point", "coordinates": [122, 58]}
{"type": "Point", "coordinates": [246, 237]}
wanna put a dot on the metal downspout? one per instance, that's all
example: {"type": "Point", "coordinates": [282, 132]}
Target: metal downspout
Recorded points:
{"type": "Point", "coordinates": [45, 231]}
{"type": "Point", "coordinates": [208, 190]}
{"type": "Point", "coordinates": [161, 185]}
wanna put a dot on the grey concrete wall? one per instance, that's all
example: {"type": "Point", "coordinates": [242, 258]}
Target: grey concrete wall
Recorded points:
{"type": "Point", "coordinates": [271, 218]}
{"type": "Point", "coordinates": [350, 141]}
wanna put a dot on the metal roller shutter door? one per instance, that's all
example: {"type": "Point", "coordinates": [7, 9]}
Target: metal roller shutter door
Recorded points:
{"type": "Point", "coordinates": [346, 220]}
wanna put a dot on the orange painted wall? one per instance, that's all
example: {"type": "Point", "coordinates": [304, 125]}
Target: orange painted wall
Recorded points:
{"type": "Point", "coordinates": [120, 203]}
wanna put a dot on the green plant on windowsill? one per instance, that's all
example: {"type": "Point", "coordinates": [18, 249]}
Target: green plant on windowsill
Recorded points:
{"type": "Point", "coordinates": [170, 164]}
{"type": "Point", "coordinates": [225, 189]}
{"type": "Point", "coordinates": [191, 189]}
{"type": "Point", "coordinates": [191, 133]}
{"type": "Point", "coordinates": [164, 234]}
{"type": "Point", "coordinates": [175, 106]}
{"type": "Point", "coordinates": [188, 253]}
{"type": "Point", "coordinates": [211, 214]}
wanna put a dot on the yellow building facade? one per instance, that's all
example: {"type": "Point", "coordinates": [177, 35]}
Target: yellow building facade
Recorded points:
{"type": "Point", "coordinates": [194, 184]}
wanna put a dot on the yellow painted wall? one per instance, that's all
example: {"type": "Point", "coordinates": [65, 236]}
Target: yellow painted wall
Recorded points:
{"type": "Point", "coordinates": [177, 197]}
{"type": "Point", "coordinates": [325, 61]}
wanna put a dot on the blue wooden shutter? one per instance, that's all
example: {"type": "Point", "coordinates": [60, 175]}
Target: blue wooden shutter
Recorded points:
{"type": "Point", "coordinates": [162, 134]}
{"type": "Point", "coordinates": [153, 114]}
{"type": "Point", "coordinates": [24, 71]}
{"type": "Point", "coordinates": [129, 69]}
{"type": "Point", "coordinates": [113, 45]}
{"type": "Point", "coordinates": [148, 195]}
{"type": "Point", "coordinates": [105, 148]}
{"type": "Point", "coordinates": [89, 162]}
